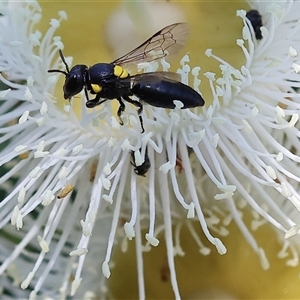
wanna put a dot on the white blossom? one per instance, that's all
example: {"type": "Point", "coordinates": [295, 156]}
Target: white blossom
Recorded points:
{"type": "Point", "coordinates": [241, 151]}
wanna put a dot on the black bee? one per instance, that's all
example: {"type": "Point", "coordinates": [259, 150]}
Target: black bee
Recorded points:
{"type": "Point", "coordinates": [256, 22]}
{"type": "Point", "coordinates": [111, 81]}
{"type": "Point", "coordinates": [144, 167]}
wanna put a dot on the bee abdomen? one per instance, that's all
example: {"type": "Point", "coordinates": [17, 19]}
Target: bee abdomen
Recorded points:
{"type": "Point", "coordinates": [163, 93]}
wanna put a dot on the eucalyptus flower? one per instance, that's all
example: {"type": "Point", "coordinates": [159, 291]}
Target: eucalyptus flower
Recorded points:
{"type": "Point", "coordinates": [67, 182]}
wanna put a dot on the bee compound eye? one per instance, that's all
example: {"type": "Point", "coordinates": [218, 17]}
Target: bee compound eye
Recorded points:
{"type": "Point", "coordinates": [74, 82]}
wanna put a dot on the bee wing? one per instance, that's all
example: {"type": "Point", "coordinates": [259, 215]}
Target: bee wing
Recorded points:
{"type": "Point", "coordinates": [154, 77]}
{"type": "Point", "coordinates": [168, 40]}
{"type": "Point", "coordinates": [151, 77]}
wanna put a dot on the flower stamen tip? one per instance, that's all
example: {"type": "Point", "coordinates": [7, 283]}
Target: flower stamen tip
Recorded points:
{"type": "Point", "coordinates": [4, 93]}
{"type": "Point", "coordinates": [165, 168]}
{"type": "Point", "coordinates": [21, 196]}
{"type": "Point", "coordinates": [191, 211]}
{"type": "Point", "coordinates": [152, 240]}
{"type": "Point", "coordinates": [263, 259]}
{"type": "Point", "coordinates": [107, 198]}
{"type": "Point", "coordinates": [205, 251]}
{"type": "Point", "coordinates": [43, 244]}
{"type": "Point", "coordinates": [178, 104]}
{"type": "Point", "coordinates": [107, 169]}
{"type": "Point", "coordinates": [79, 252]}
{"type": "Point", "coordinates": [106, 269]}
{"type": "Point", "coordinates": [115, 124]}
{"type": "Point", "coordinates": [77, 149]}
{"type": "Point", "coordinates": [126, 145]}
{"type": "Point", "coordinates": [26, 282]}
{"type": "Point", "coordinates": [129, 230]}
{"type": "Point", "coordinates": [63, 173]}
{"type": "Point", "coordinates": [220, 246]}
{"type": "Point", "coordinates": [75, 285]}
{"type": "Point", "coordinates": [48, 197]}
{"type": "Point", "coordinates": [24, 117]}
{"type": "Point", "coordinates": [86, 230]}
{"type": "Point", "coordinates": [292, 231]}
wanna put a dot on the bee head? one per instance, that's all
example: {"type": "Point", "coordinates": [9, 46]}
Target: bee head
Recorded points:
{"type": "Point", "coordinates": [75, 78]}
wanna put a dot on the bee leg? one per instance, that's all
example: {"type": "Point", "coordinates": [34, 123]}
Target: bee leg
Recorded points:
{"type": "Point", "coordinates": [94, 102]}
{"type": "Point", "coordinates": [139, 105]}
{"type": "Point", "coordinates": [86, 94]}
{"type": "Point", "coordinates": [121, 110]}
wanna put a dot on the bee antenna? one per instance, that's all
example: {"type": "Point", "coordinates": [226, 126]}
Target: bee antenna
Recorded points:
{"type": "Point", "coordinates": [65, 63]}
{"type": "Point", "coordinates": [57, 71]}
{"type": "Point", "coordinates": [63, 60]}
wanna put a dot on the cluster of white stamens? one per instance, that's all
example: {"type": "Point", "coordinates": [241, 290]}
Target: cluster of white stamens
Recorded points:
{"type": "Point", "coordinates": [66, 177]}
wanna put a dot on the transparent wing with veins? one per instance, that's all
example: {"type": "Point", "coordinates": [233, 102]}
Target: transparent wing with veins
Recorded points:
{"type": "Point", "coordinates": [152, 77]}
{"type": "Point", "coordinates": [168, 40]}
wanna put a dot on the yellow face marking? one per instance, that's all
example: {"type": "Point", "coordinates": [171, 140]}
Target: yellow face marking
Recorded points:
{"type": "Point", "coordinates": [96, 88]}
{"type": "Point", "coordinates": [120, 72]}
